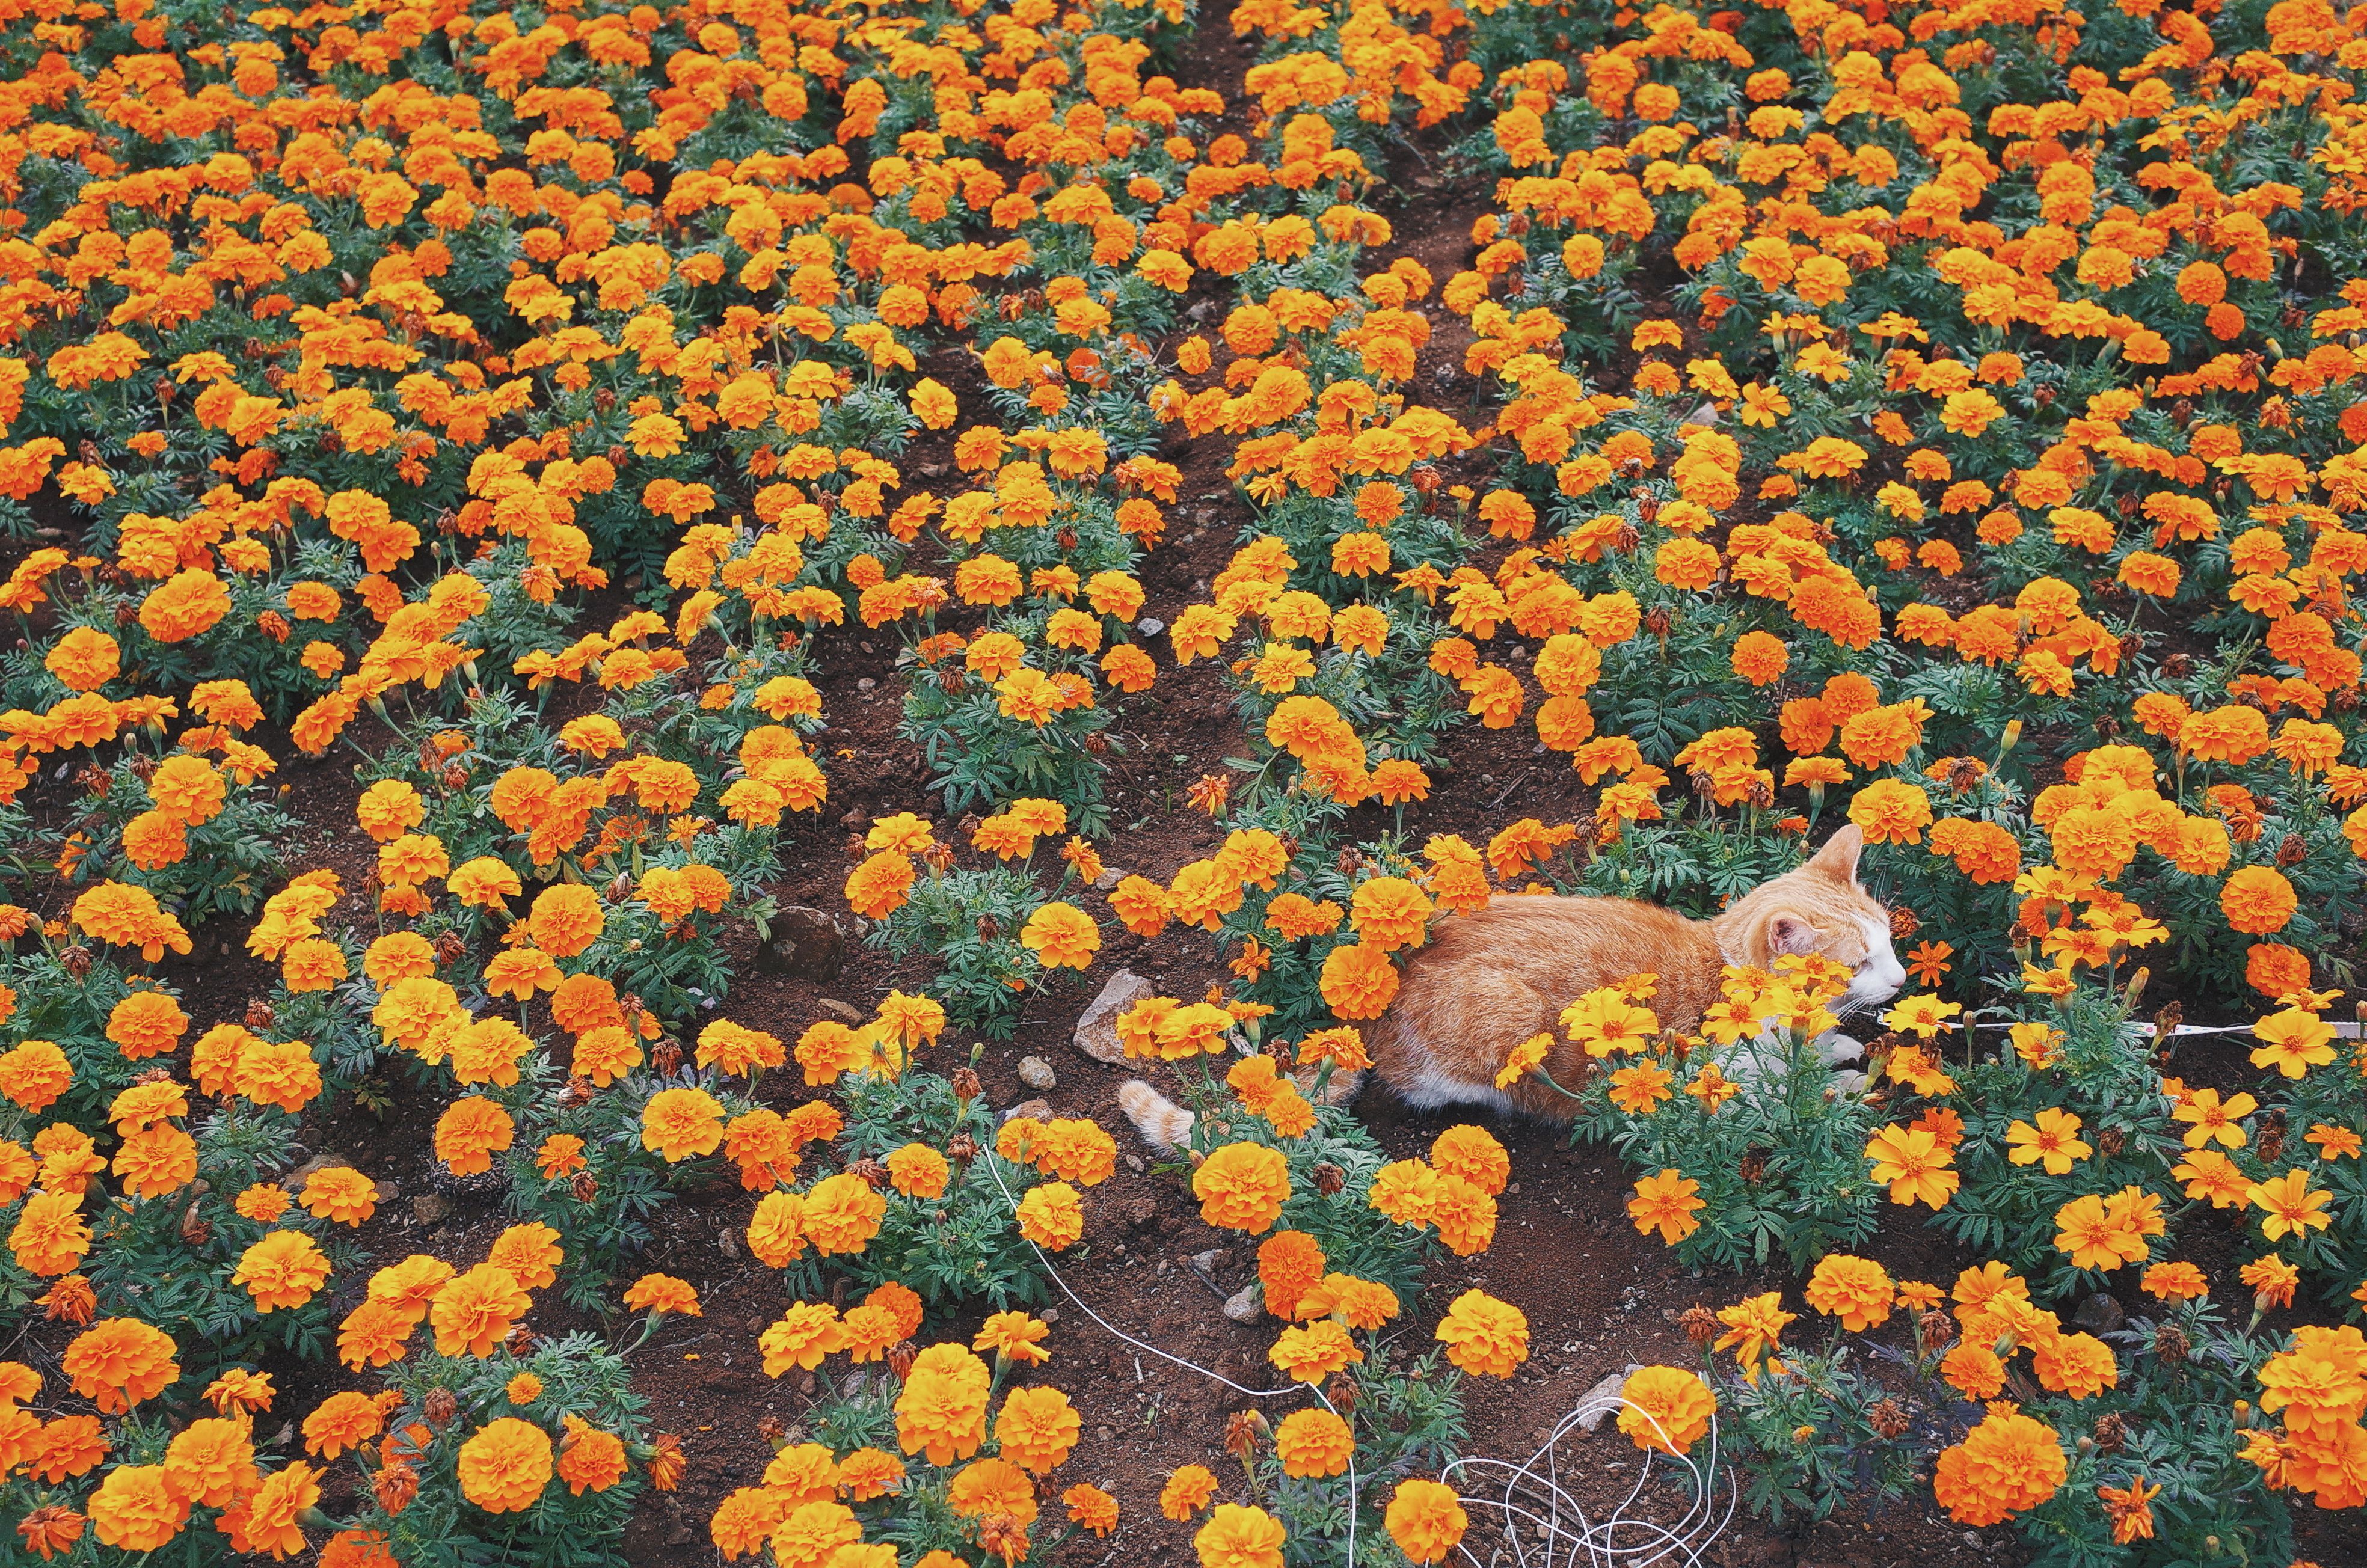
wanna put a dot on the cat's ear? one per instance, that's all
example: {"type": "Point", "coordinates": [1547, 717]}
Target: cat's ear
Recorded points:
{"type": "Point", "coordinates": [1838, 859]}
{"type": "Point", "coordinates": [1790, 935]}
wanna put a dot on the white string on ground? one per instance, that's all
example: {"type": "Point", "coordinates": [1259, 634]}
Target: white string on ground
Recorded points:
{"type": "Point", "coordinates": [1120, 1333]}
{"type": "Point", "coordinates": [1541, 1504]}
{"type": "Point", "coordinates": [1681, 1544]}
{"type": "Point", "coordinates": [2341, 1030]}
{"type": "Point", "coordinates": [1125, 1337]}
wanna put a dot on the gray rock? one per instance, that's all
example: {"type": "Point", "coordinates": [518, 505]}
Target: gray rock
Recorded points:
{"type": "Point", "coordinates": [1040, 1110]}
{"type": "Point", "coordinates": [1096, 1033]}
{"type": "Point", "coordinates": [1601, 1401]}
{"type": "Point", "coordinates": [294, 1180]}
{"type": "Point", "coordinates": [1149, 626]}
{"type": "Point", "coordinates": [805, 944]}
{"type": "Point", "coordinates": [1246, 1304]}
{"type": "Point", "coordinates": [838, 1010]}
{"type": "Point", "coordinates": [427, 1208]}
{"type": "Point", "coordinates": [1037, 1073]}
{"type": "Point", "coordinates": [1110, 877]}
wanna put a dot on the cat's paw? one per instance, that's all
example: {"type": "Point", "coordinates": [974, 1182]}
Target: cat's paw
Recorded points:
{"type": "Point", "coordinates": [1836, 1048]}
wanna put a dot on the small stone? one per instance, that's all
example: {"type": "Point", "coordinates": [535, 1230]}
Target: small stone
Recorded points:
{"type": "Point", "coordinates": [839, 1010]}
{"type": "Point", "coordinates": [1600, 1401]}
{"type": "Point", "coordinates": [388, 1189]}
{"type": "Point", "coordinates": [866, 684]}
{"type": "Point", "coordinates": [294, 1180]}
{"type": "Point", "coordinates": [1110, 877]}
{"type": "Point", "coordinates": [1050, 1314]}
{"type": "Point", "coordinates": [1037, 1073]}
{"type": "Point", "coordinates": [728, 1242]}
{"type": "Point", "coordinates": [1246, 1305]}
{"type": "Point", "coordinates": [2100, 1314]}
{"type": "Point", "coordinates": [1150, 626]}
{"type": "Point", "coordinates": [802, 943]}
{"type": "Point", "coordinates": [1207, 1263]}
{"type": "Point", "coordinates": [1096, 1031]}
{"type": "Point", "coordinates": [428, 1209]}
{"type": "Point", "coordinates": [1040, 1110]}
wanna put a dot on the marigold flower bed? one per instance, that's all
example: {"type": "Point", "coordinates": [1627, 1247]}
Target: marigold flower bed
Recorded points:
{"type": "Point", "coordinates": [550, 545]}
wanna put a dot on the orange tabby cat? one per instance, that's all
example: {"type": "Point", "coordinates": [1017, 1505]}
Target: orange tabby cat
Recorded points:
{"type": "Point", "coordinates": [1487, 981]}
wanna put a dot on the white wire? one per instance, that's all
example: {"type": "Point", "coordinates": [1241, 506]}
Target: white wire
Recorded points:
{"type": "Point", "coordinates": [1120, 1333]}
{"type": "Point", "coordinates": [1121, 1336]}
{"type": "Point", "coordinates": [1682, 1543]}
{"type": "Point", "coordinates": [2341, 1030]}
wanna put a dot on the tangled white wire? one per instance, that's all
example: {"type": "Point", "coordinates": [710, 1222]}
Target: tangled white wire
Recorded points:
{"type": "Point", "coordinates": [1534, 1503]}
{"type": "Point", "coordinates": [1567, 1535]}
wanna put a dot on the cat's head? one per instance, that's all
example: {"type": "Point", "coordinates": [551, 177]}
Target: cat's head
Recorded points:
{"type": "Point", "coordinates": [1819, 908]}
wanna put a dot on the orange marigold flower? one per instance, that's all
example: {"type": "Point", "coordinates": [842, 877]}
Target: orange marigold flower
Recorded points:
{"type": "Point", "coordinates": [505, 1465]}
{"type": "Point", "coordinates": [1242, 1187]}
{"type": "Point", "coordinates": [2008, 1463]}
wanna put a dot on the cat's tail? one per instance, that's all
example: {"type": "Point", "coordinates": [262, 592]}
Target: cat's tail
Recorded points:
{"type": "Point", "coordinates": [1164, 1125]}
{"type": "Point", "coordinates": [1167, 1126]}
{"type": "Point", "coordinates": [1340, 1090]}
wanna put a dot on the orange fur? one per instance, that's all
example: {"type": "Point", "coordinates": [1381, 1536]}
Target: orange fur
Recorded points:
{"type": "Point", "coordinates": [1167, 1126]}
{"type": "Point", "coordinates": [1164, 1125]}
{"type": "Point", "coordinates": [1487, 981]}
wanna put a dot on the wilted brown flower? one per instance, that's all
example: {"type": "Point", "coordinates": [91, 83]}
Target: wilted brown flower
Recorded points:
{"type": "Point", "coordinates": [666, 1461]}
{"type": "Point", "coordinates": [70, 1300]}
{"type": "Point", "coordinates": [395, 1485]}
{"type": "Point", "coordinates": [1243, 1428]}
